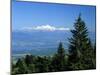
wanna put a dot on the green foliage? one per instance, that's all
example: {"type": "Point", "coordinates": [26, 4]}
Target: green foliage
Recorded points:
{"type": "Point", "coordinates": [29, 59]}
{"type": "Point", "coordinates": [80, 47]}
{"type": "Point", "coordinates": [42, 64]}
{"type": "Point", "coordinates": [31, 68]}
{"type": "Point", "coordinates": [81, 55]}
{"type": "Point", "coordinates": [21, 67]}
{"type": "Point", "coordinates": [59, 60]}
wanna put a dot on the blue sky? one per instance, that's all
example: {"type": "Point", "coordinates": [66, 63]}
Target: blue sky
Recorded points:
{"type": "Point", "coordinates": [29, 14]}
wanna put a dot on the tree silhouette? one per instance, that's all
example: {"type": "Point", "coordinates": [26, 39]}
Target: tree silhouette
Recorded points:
{"type": "Point", "coordinates": [80, 46]}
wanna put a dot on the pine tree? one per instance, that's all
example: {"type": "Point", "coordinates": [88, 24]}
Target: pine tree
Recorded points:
{"type": "Point", "coordinates": [61, 56]}
{"type": "Point", "coordinates": [58, 61]}
{"type": "Point", "coordinates": [79, 46]}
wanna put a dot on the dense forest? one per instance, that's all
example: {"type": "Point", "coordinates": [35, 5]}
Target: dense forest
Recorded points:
{"type": "Point", "coordinates": [81, 55]}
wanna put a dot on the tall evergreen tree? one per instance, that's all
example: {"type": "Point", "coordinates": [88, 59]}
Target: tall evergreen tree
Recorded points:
{"type": "Point", "coordinates": [61, 56]}
{"type": "Point", "coordinates": [79, 46]}
{"type": "Point", "coordinates": [58, 61]}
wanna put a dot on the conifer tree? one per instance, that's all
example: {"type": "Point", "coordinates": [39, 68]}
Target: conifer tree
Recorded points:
{"type": "Point", "coordinates": [80, 46]}
{"type": "Point", "coordinates": [58, 61]}
{"type": "Point", "coordinates": [61, 56]}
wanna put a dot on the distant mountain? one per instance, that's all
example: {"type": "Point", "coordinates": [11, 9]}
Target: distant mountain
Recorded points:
{"type": "Point", "coordinates": [39, 42]}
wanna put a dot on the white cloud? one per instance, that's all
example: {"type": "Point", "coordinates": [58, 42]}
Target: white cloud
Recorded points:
{"type": "Point", "coordinates": [45, 28]}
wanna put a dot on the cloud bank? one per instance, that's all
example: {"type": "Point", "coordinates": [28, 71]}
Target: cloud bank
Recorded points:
{"type": "Point", "coordinates": [45, 28]}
